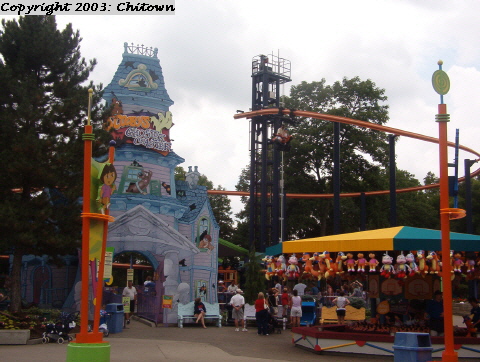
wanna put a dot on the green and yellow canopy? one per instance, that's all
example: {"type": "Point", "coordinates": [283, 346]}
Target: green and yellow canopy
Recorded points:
{"type": "Point", "coordinates": [395, 238]}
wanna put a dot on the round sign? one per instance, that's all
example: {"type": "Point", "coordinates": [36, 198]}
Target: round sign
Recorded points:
{"type": "Point", "coordinates": [441, 82]}
{"type": "Point", "coordinates": [383, 307]}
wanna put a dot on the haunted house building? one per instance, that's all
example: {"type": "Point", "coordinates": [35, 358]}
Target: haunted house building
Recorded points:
{"type": "Point", "coordinates": [168, 221]}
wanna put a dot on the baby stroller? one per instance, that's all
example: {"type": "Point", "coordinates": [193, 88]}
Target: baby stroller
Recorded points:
{"type": "Point", "coordinates": [273, 325]}
{"type": "Point", "coordinates": [58, 332]}
{"type": "Point", "coordinates": [104, 316]}
{"type": "Point", "coordinates": [103, 323]}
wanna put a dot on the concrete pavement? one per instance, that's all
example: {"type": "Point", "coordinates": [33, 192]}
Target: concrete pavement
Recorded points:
{"type": "Point", "coordinates": [141, 342]}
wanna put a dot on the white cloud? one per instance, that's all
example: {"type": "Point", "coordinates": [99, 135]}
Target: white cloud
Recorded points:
{"type": "Point", "coordinates": [207, 47]}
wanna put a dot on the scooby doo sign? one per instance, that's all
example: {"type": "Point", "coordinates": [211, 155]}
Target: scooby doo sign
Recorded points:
{"type": "Point", "coordinates": [150, 130]}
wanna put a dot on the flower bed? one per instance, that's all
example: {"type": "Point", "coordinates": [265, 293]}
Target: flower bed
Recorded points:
{"type": "Point", "coordinates": [33, 320]}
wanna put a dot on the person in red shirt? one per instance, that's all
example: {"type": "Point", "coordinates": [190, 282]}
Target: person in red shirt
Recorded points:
{"type": "Point", "coordinates": [261, 315]}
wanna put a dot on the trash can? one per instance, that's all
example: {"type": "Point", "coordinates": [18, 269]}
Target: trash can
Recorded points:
{"type": "Point", "coordinates": [412, 347]}
{"type": "Point", "coordinates": [115, 322]}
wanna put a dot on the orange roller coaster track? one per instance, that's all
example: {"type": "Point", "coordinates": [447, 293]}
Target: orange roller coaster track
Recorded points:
{"type": "Point", "coordinates": [345, 120]}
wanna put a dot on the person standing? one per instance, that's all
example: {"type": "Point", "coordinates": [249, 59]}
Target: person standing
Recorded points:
{"type": "Point", "coordinates": [434, 314]}
{"type": "Point", "coordinates": [476, 312]}
{"type": "Point", "coordinates": [272, 302]}
{"type": "Point", "coordinates": [237, 302]}
{"type": "Point", "coordinates": [341, 302]}
{"type": "Point", "coordinates": [131, 292]}
{"type": "Point", "coordinates": [295, 309]}
{"type": "Point", "coordinates": [300, 288]}
{"type": "Point", "coordinates": [261, 314]}
{"type": "Point", "coordinates": [232, 288]}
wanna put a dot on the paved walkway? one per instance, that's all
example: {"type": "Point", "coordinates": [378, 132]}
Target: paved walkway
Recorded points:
{"type": "Point", "coordinates": [140, 342]}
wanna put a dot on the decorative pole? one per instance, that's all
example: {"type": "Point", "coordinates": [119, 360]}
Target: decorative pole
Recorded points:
{"type": "Point", "coordinates": [441, 84]}
{"type": "Point", "coordinates": [89, 346]}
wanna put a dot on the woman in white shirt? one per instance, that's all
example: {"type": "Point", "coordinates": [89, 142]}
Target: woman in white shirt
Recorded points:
{"type": "Point", "coordinates": [296, 309]}
{"type": "Point", "coordinates": [341, 302]}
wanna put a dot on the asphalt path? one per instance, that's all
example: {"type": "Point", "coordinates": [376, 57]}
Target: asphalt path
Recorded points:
{"type": "Point", "coordinates": [142, 342]}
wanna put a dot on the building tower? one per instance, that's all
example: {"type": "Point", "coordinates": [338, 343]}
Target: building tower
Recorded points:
{"type": "Point", "coordinates": [268, 73]}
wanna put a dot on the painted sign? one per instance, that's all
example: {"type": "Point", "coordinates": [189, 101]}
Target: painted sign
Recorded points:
{"type": "Point", "coordinates": [383, 307]}
{"type": "Point", "coordinates": [129, 275]}
{"type": "Point", "coordinates": [126, 304]}
{"type": "Point", "coordinates": [107, 273]}
{"type": "Point", "coordinates": [148, 130]}
{"type": "Point", "coordinates": [167, 301]}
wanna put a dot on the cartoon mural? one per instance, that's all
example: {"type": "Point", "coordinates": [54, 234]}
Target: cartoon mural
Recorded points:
{"type": "Point", "coordinates": [107, 177]}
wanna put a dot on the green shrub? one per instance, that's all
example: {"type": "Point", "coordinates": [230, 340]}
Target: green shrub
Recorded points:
{"type": "Point", "coordinates": [357, 302]}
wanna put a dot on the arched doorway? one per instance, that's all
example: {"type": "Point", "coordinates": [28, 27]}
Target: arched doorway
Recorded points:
{"type": "Point", "coordinates": [144, 264]}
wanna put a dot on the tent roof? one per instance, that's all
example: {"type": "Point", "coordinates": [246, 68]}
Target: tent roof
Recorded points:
{"type": "Point", "coordinates": [395, 238]}
{"type": "Point", "coordinates": [226, 248]}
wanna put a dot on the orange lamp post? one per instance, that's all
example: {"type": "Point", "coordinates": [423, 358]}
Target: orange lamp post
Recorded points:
{"type": "Point", "coordinates": [441, 84]}
{"type": "Point", "coordinates": [89, 346]}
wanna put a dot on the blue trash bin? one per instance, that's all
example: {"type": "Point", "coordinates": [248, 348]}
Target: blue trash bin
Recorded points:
{"type": "Point", "coordinates": [115, 322]}
{"type": "Point", "coordinates": [412, 347]}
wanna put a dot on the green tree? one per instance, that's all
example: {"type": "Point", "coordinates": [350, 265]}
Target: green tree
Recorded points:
{"type": "Point", "coordinates": [43, 106]}
{"type": "Point", "coordinates": [254, 278]}
{"type": "Point", "coordinates": [364, 164]}
{"type": "Point", "coordinates": [309, 164]}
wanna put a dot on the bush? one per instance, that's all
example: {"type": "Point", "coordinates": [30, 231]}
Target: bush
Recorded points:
{"type": "Point", "coordinates": [357, 302]}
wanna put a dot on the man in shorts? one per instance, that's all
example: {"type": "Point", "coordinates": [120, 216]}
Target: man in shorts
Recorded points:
{"type": "Point", "coordinates": [131, 292]}
{"type": "Point", "coordinates": [237, 302]}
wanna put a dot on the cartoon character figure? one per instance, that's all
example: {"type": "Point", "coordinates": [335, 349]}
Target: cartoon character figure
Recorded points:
{"type": "Point", "coordinates": [422, 265]}
{"type": "Point", "coordinates": [307, 268]}
{"type": "Point", "coordinates": [293, 271]}
{"type": "Point", "coordinates": [281, 267]}
{"type": "Point", "coordinates": [410, 258]}
{"type": "Point", "coordinates": [322, 265]}
{"type": "Point", "coordinates": [457, 263]}
{"type": "Point", "coordinates": [350, 262]}
{"type": "Point", "coordinates": [361, 262]}
{"type": "Point", "coordinates": [434, 262]}
{"type": "Point", "coordinates": [402, 269]}
{"type": "Point", "coordinates": [325, 256]}
{"type": "Point", "coordinates": [341, 257]}
{"type": "Point", "coordinates": [270, 271]}
{"type": "Point", "coordinates": [206, 242]}
{"type": "Point", "coordinates": [470, 262]}
{"type": "Point", "coordinates": [372, 263]}
{"type": "Point", "coordinates": [107, 177]}
{"type": "Point", "coordinates": [387, 269]}
{"type": "Point", "coordinates": [140, 187]}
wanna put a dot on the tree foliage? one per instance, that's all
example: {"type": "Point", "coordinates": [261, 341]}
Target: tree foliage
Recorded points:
{"type": "Point", "coordinates": [43, 106]}
{"type": "Point", "coordinates": [364, 164]}
{"type": "Point", "coordinates": [254, 278]}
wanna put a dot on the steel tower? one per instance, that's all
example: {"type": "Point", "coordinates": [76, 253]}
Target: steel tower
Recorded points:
{"type": "Point", "coordinates": [268, 73]}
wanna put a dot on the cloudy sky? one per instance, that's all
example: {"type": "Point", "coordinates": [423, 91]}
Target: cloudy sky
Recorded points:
{"type": "Point", "coordinates": [206, 50]}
